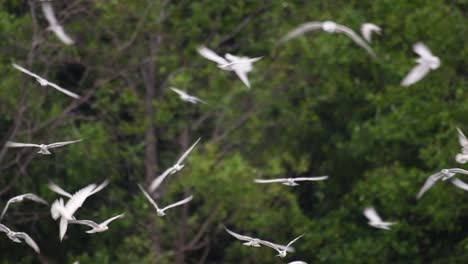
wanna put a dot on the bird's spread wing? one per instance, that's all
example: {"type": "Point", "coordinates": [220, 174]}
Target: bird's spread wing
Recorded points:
{"type": "Point", "coordinates": [238, 236]}
{"type": "Point", "coordinates": [184, 156]}
{"type": "Point", "coordinates": [4, 229]}
{"type": "Point", "coordinates": [269, 244]}
{"type": "Point", "coordinates": [156, 182]}
{"type": "Point", "coordinates": [55, 188]}
{"type": "Point", "coordinates": [148, 197]}
{"type": "Point", "coordinates": [460, 184]}
{"type": "Point", "coordinates": [5, 210]}
{"type": "Point", "coordinates": [105, 223]}
{"type": "Point", "coordinates": [416, 74]}
{"type": "Point", "coordinates": [301, 29]}
{"type": "Point", "coordinates": [294, 240]}
{"type": "Point", "coordinates": [458, 170]}
{"type": "Point", "coordinates": [11, 144]}
{"type": "Point", "coordinates": [227, 65]}
{"type": "Point", "coordinates": [35, 198]}
{"type": "Point", "coordinates": [422, 50]}
{"type": "Point", "coordinates": [355, 37]}
{"type": "Point", "coordinates": [26, 71]}
{"type": "Point", "coordinates": [28, 241]}
{"type": "Point", "coordinates": [100, 187]}
{"type": "Point", "coordinates": [60, 144]}
{"type": "Point", "coordinates": [179, 92]}
{"type": "Point", "coordinates": [270, 181]}
{"type": "Point", "coordinates": [186, 200]}
{"type": "Point", "coordinates": [77, 200]}
{"type": "Point", "coordinates": [49, 13]}
{"type": "Point", "coordinates": [372, 215]}
{"type": "Point", "coordinates": [60, 33]}
{"type": "Point", "coordinates": [211, 55]}
{"type": "Point", "coordinates": [65, 91]}
{"type": "Point", "coordinates": [462, 140]}
{"type": "Point", "coordinates": [367, 29]}
{"type": "Point", "coordinates": [321, 178]}
{"type": "Point", "coordinates": [243, 77]}
{"type": "Point", "coordinates": [429, 182]}
{"type": "Point", "coordinates": [84, 222]}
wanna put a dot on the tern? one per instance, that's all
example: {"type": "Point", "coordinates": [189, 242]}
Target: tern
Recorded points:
{"type": "Point", "coordinates": [367, 29]}
{"type": "Point", "coordinates": [66, 211]}
{"type": "Point", "coordinates": [44, 82]}
{"type": "Point", "coordinates": [463, 156]}
{"type": "Point", "coordinates": [53, 23]}
{"type": "Point", "coordinates": [18, 236]}
{"type": "Point", "coordinates": [425, 63]}
{"type": "Point", "coordinates": [96, 228]}
{"type": "Point", "coordinates": [254, 242]}
{"type": "Point", "coordinates": [178, 166]}
{"type": "Point", "coordinates": [159, 211]}
{"type": "Point", "coordinates": [186, 97]}
{"type": "Point", "coordinates": [375, 220]}
{"type": "Point", "coordinates": [240, 65]}
{"type": "Point", "coordinates": [329, 27]}
{"type": "Point", "coordinates": [281, 252]}
{"type": "Point", "coordinates": [43, 148]}
{"type": "Point", "coordinates": [443, 175]}
{"type": "Point", "coordinates": [21, 198]}
{"type": "Point", "coordinates": [291, 181]}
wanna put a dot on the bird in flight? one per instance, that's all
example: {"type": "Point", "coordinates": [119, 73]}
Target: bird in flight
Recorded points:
{"type": "Point", "coordinates": [329, 27]}
{"type": "Point", "coordinates": [240, 65]}
{"type": "Point", "coordinates": [367, 29]}
{"type": "Point", "coordinates": [96, 228]}
{"type": "Point", "coordinates": [53, 23]}
{"type": "Point", "coordinates": [187, 97]}
{"type": "Point", "coordinates": [254, 242]}
{"type": "Point", "coordinates": [375, 220]}
{"type": "Point", "coordinates": [18, 236]}
{"type": "Point", "coordinates": [460, 184]}
{"type": "Point", "coordinates": [160, 211]}
{"type": "Point", "coordinates": [281, 252]}
{"type": "Point", "coordinates": [425, 63]}
{"type": "Point", "coordinates": [443, 175]}
{"type": "Point", "coordinates": [44, 82]}
{"type": "Point", "coordinates": [178, 166]}
{"type": "Point", "coordinates": [43, 148]}
{"type": "Point", "coordinates": [21, 198]}
{"type": "Point", "coordinates": [463, 156]}
{"type": "Point", "coordinates": [291, 181]}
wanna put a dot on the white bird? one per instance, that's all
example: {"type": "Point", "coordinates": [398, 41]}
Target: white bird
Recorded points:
{"type": "Point", "coordinates": [21, 198]}
{"type": "Point", "coordinates": [44, 82]}
{"type": "Point", "coordinates": [463, 156]}
{"type": "Point", "coordinates": [443, 175]}
{"type": "Point", "coordinates": [460, 184]}
{"type": "Point", "coordinates": [367, 29]}
{"type": "Point", "coordinates": [18, 236]}
{"type": "Point", "coordinates": [53, 23]}
{"type": "Point", "coordinates": [425, 63]}
{"type": "Point", "coordinates": [66, 211]}
{"type": "Point", "coordinates": [291, 181]}
{"type": "Point", "coordinates": [178, 166]}
{"type": "Point", "coordinates": [43, 148]}
{"type": "Point", "coordinates": [96, 228]}
{"type": "Point", "coordinates": [187, 97]}
{"type": "Point", "coordinates": [375, 220]}
{"type": "Point", "coordinates": [281, 252]}
{"type": "Point", "coordinates": [329, 27]}
{"type": "Point", "coordinates": [240, 65]}
{"type": "Point", "coordinates": [254, 242]}
{"type": "Point", "coordinates": [159, 211]}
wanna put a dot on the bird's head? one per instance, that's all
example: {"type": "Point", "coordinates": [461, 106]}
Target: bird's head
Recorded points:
{"type": "Point", "coordinates": [461, 158]}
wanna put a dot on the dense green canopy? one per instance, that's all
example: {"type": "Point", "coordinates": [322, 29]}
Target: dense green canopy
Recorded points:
{"type": "Point", "coordinates": [319, 105]}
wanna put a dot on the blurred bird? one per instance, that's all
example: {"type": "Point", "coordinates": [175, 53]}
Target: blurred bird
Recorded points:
{"type": "Point", "coordinates": [291, 181]}
{"type": "Point", "coordinates": [463, 156]}
{"type": "Point", "coordinates": [159, 211]}
{"type": "Point", "coordinates": [53, 23]}
{"type": "Point", "coordinates": [44, 82]}
{"type": "Point", "coordinates": [43, 148]}
{"type": "Point", "coordinates": [186, 97]}
{"type": "Point", "coordinates": [426, 62]}
{"type": "Point", "coordinates": [297, 262]}
{"type": "Point", "coordinates": [329, 27]}
{"type": "Point", "coordinates": [281, 252]}
{"type": "Point", "coordinates": [460, 184]}
{"type": "Point", "coordinates": [178, 166]}
{"type": "Point", "coordinates": [21, 198]}
{"type": "Point", "coordinates": [240, 65]}
{"type": "Point", "coordinates": [255, 242]}
{"type": "Point", "coordinates": [367, 29]}
{"type": "Point", "coordinates": [96, 228]}
{"type": "Point", "coordinates": [375, 220]}
{"type": "Point", "coordinates": [18, 236]}
{"type": "Point", "coordinates": [66, 211]}
{"type": "Point", "coordinates": [443, 175]}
